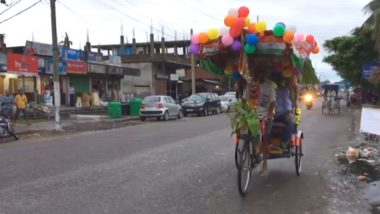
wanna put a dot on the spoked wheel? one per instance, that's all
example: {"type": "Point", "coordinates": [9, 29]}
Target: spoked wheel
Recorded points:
{"type": "Point", "coordinates": [244, 170]}
{"type": "Point", "coordinates": [239, 148]}
{"type": "Point", "coordinates": [298, 157]}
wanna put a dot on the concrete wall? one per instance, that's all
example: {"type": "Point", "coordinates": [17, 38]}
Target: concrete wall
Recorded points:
{"type": "Point", "coordinates": [139, 85]}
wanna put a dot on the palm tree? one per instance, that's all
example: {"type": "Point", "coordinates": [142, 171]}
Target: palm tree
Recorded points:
{"type": "Point", "coordinates": [372, 24]}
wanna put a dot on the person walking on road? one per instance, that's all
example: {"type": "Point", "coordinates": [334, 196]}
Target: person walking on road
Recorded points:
{"type": "Point", "coordinates": [21, 104]}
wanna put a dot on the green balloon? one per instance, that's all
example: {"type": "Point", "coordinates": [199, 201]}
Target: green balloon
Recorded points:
{"type": "Point", "coordinates": [279, 30]}
{"type": "Point", "coordinates": [249, 49]}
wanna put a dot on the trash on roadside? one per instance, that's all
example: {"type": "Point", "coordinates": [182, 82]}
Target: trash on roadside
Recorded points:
{"type": "Point", "coordinates": [352, 154]}
{"type": "Point", "coordinates": [362, 178]}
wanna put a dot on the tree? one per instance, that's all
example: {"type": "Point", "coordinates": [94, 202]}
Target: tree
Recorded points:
{"type": "Point", "coordinates": [372, 24]}
{"type": "Point", "coordinates": [347, 54]}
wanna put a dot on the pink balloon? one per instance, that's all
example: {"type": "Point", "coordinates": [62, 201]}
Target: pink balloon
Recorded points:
{"type": "Point", "coordinates": [299, 37]}
{"type": "Point", "coordinates": [195, 38]}
{"type": "Point", "coordinates": [227, 40]}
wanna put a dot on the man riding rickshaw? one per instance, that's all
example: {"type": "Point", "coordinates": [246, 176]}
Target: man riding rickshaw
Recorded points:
{"type": "Point", "coordinates": [266, 65]}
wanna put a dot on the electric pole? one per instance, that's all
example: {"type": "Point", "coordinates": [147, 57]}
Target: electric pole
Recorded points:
{"type": "Point", "coordinates": [57, 93]}
{"type": "Point", "coordinates": [192, 68]}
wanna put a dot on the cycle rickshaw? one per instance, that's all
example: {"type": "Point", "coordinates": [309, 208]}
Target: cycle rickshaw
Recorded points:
{"type": "Point", "coordinates": [235, 54]}
{"type": "Point", "coordinates": [331, 99]}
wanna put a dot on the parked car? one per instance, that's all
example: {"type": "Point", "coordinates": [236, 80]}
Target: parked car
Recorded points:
{"type": "Point", "coordinates": [226, 102]}
{"type": "Point", "coordinates": [201, 104]}
{"type": "Point", "coordinates": [161, 107]}
{"type": "Point", "coordinates": [230, 93]}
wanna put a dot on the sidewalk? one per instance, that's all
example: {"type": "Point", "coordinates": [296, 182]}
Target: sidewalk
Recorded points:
{"type": "Point", "coordinates": [77, 123]}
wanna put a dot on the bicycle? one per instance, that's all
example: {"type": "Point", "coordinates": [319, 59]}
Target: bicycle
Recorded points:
{"type": "Point", "coordinates": [248, 157]}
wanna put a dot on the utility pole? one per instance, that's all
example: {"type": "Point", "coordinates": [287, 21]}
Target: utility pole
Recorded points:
{"type": "Point", "coordinates": [192, 68]}
{"type": "Point", "coordinates": [57, 94]}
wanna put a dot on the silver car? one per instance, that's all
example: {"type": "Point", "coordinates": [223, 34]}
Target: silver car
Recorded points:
{"type": "Point", "coordinates": [161, 107]}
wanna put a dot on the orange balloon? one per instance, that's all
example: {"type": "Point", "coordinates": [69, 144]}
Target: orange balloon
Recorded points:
{"type": "Point", "coordinates": [315, 50]}
{"type": "Point", "coordinates": [230, 20]}
{"type": "Point", "coordinates": [203, 38]}
{"type": "Point", "coordinates": [252, 28]}
{"type": "Point", "coordinates": [288, 37]}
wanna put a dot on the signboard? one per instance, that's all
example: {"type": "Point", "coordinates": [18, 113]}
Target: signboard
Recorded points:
{"type": "Point", "coordinates": [22, 63]}
{"type": "Point", "coordinates": [94, 57]}
{"type": "Point", "coordinates": [3, 62]}
{"type": "Point", "coordinates": [174, 77]}
{"type": "Point", "coordinates": [369, 122]}
{"type": "Point", "coordinates": [76, 67]}
{"type": "Point", "coordinates": [35, 48]}
{"type": "Point", "coordinates": [162, 76]}
{"type": "Point", "coordinates": [96, 68]}
{"type": "Point", "coordinates": [368, 69]}
{"type": "Point", "coordinates": [61, 68]}
{"type": "Point", "coordinates": [181, 72]}
{"type": "Point", "coordinates": [116, 60]}
{"type": "Point", "coordinates": [71, 54]}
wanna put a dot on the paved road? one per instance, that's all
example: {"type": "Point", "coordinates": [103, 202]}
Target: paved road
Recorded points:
{"type": "Point", "coordinates": [174, 167]}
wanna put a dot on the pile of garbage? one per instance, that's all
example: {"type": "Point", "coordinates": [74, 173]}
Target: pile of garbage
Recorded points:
{"type": "Point", "coordinates": [362, 161]}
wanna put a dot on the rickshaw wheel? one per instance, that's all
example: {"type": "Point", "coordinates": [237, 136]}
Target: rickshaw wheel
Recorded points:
{"type": "Point", "coordinates": [298, 157]}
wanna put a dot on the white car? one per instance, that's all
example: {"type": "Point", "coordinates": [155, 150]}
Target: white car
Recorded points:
{"type": "Point", "coordinates": [230, 93]}
{"type": "Point", "coordinates": [227, 102]}
{"type": "Point", "coordinates": [160, 107]}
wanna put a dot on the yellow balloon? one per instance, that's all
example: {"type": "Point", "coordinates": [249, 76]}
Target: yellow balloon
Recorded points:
{"type": "Point", "coordinates": [247, 22]}
{"type": "Point", "coordinates": [213, 33]}
{"type": "Point", "coordinates": [261, 26]}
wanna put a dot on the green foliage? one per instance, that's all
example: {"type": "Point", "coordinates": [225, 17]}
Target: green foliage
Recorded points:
{"type": "Point", "coordinates": [308, 76]}
{"type": "Point", "coordinates": [244, 117]}
{"type": "Point", "coordinates": [347, 54]}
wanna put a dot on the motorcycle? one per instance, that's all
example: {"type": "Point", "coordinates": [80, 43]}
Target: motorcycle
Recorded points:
{"type": "Point", "coordinates": [6, 127]}
{"type": "Point", "coordinates": [308, 100]}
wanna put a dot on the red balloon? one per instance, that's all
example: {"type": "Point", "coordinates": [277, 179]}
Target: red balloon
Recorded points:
{"type": "Point", "coordinates": [235, 32]}
{"type": "Point", "coordinates": [243, 11]}
{"type": "Point", "coordinates": [310, 39]}
{"type": "Point", "coordinates": [239, 23]}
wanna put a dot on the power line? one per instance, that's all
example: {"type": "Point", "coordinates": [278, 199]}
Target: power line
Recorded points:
{"type": "Point", "coordinates": [72, 11]}
{"type": "Point", "coordinates": [10, 6]}
{"type": "Point", "coordinates": [22, 11]}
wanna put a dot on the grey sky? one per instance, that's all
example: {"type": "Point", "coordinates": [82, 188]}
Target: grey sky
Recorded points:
{"type": "Point", "coordinates": [103, 19]}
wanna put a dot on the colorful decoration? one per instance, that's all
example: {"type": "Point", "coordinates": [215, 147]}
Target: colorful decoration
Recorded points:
{"type": "Point", "coordinates": [203, 38]}
{"type": "Point", "coordinates": [236, 46]}
{"type": "Point", "coordinates": [249, 49]}
{"type": "Point", "coordinates": [243, 11]}
{"type": "Point", "coordinates": [261, 26]}
{"type": "Point", "coordinates": [279, 30]}
{"type": "Point", "coordinates": [227, 40]}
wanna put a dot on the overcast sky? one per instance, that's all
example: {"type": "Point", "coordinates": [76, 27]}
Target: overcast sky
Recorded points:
{"type": "Point", "coordinates": [104, 18]}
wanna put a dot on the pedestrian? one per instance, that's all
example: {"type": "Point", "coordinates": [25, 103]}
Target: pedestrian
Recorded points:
{"type": "Point", "coordinates": [7, 105]}
{"type": "Point", "coordinates": [72, 95]}
{"type": "Point", "coordinates": [21, 104]}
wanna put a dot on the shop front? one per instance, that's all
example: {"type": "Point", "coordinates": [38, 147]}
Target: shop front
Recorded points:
{"type": "Point", "coordinates": [22, 73]}
{"type": "Point", "coordinates": [79, 80]}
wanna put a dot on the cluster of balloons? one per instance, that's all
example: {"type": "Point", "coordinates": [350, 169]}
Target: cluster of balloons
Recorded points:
{"type": "Point", "coordinates": [238, 24]}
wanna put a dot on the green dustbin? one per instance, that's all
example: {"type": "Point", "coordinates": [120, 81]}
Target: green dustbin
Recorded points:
{"type": "Point", "coordinates": [135, 106]}
{"type": "Point", "coordinates": [114, 109]}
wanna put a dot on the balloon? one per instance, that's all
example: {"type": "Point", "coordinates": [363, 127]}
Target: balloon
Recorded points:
{"type": "Point", "coordinates": [261, 26]}
{"type": "Point", "coordinates": [239, 23]}
{"type": "Point", "coordinates": [195, 38]}
{"type": "Point", "coordinates": [299, 37]}
{"type": "Point", "coordinates": [315, 50]}
{"type": "Point", "coordinates": [288, 37]}
{"type": "Point", "coordinates": [227, 40]}
{"type": "Point", "coordinates": [236, 46]}
{"type": "Point", "coordinates": [310, 39]}
{"type": "Point", "coordinates": [249, 49]}
{"type": "Point", "coordinates": [243, 11]}
{"type": "Point", "coordinates": [236, 75]}
{"type": "Point", "coordinates": [194, 49]}
{"type": "Point", "coordinates": [279, 30]}
{"type": "Point", "coordinates": [252, 39]}
{"type": "Point", "coordinates": [252, 28]}
{"type": "Point", "coordinates": [203, 38]}
{"type": "Point", "coordinates": [281, 23]}
{"type": "Point", "coordinates": [247, 21]}
{"type": "Point", "coordinates": [233, 12]}
{"type": "Point", "coordinates": [230, 20]}
{"type": "Point", "coordinates": [235, 32]}
{"type": "Point", "coordinates": [291, 28]}
{"type": "Point", "coordinates": [213, 34]}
